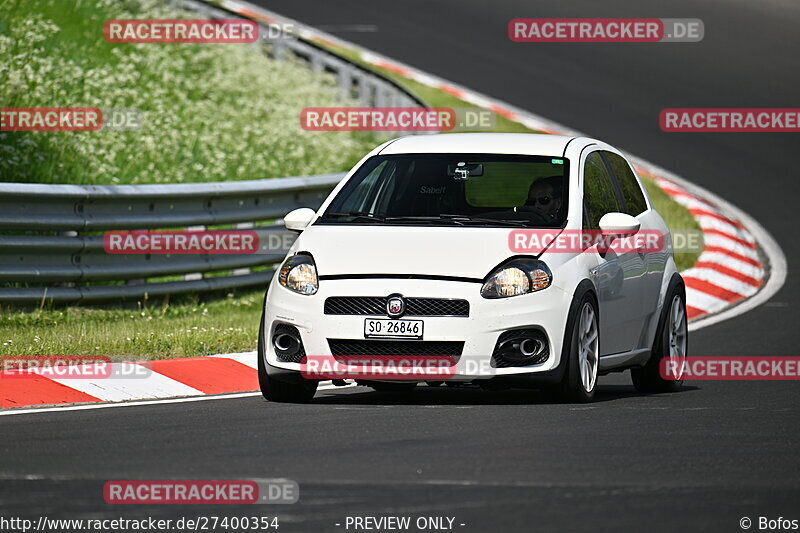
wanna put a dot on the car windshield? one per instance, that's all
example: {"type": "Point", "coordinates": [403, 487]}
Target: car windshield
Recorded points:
{"type": "Point", "coordinates": [454, 189]}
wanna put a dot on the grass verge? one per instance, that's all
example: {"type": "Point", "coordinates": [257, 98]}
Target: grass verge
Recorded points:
{"type": "Point", "coordinates": [185, 329]}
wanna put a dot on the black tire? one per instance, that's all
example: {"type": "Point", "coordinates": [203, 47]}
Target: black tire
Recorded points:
{"type": "Point", "coordinates": [381, 386]}
{"type": "Point", "coordinates": [571, 388]}
{"type": "Point", "coordinates": [275, 390]}
{"type": "Point", "coordinates": [648, 379]}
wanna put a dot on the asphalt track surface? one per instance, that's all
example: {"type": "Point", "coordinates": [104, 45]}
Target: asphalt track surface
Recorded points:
{"type": "Point", "coordinates": [698, 460]}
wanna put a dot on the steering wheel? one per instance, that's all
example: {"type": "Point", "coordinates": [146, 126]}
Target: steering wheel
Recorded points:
{"type": "Point", "coordinates": [533, 215]}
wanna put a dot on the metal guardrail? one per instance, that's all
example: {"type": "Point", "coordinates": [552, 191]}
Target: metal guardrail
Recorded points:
{"type": "Point", "coordinates": [51, 236]}
{"type": "Point", "coordinates": [51, 242]}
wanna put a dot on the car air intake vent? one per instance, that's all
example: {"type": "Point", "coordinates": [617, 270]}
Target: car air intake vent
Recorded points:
{"type": "Point", "coordinates": [287, 344]}
{"type": "Point", "coordinates": [387, 348]}
{"type": "Point", "coordinates": [520, 347]}
{"type": "Point", "coordinates": [376, 305]}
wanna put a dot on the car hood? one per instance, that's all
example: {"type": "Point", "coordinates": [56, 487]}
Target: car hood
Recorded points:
{"type": "Point", "coordinates": [460, 251]}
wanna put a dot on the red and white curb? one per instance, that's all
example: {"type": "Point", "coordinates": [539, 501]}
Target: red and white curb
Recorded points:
{"type": "Point", "coordinates": [729, 268]}
{"type": "Point", "coordinates": [168, 378]}
{"type": "Point", "coordinates": [740, 267]}
{"type": "Point", "coordinates": [185, 378]}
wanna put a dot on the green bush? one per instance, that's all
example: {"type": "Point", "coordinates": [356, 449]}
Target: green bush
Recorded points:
{"type": "Point", "coordinates": [212, 112]}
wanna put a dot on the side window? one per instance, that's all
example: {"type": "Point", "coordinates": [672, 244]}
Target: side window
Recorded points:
{"type": "Point", "coordinates": [599, 196]}
{"type": "Point", "coordinates": [634, 199]}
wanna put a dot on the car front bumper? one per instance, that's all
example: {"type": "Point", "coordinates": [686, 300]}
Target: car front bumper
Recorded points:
{"type": "Point", "coordinates": [545, 310]}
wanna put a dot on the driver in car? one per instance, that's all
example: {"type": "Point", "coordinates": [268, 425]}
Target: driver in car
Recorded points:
{"type": "Point", "coordinates": [544, 196]}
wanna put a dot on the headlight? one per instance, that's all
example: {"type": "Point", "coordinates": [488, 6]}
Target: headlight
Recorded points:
{"type": "Point", "coordinates": [299, 274]}
{"type": "Point", "coordinates": [518, 276]}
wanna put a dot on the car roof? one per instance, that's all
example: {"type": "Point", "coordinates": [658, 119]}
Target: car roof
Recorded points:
{"type": "Point", "coordinates": [480, 143]}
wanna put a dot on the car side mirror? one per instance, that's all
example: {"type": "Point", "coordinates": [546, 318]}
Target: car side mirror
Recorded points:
{"type": "Point", "coordinates": [619, 225]}
{"type": "Point", "coordinates": [299, 219]}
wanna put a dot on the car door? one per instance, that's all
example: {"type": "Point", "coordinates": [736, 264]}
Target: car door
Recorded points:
{"type": "Point", "coordinates": [636, 206]}
{"type": "Point", "coordinates": [618, 276]}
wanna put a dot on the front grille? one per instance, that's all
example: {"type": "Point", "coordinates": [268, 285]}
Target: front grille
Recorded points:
{"type": "Point", "coordinates": [387, 348]}
{"type": "Point", "coordinates": [376, 305]}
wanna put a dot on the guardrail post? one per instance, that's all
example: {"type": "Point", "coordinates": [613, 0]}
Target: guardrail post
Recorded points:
{"type": "Point", "coordinates": [191, 276]}
{"type": "Point", "coordinates": [345, 83]}
{"type": "Point", "coordinates": [381, 99]}
{"type": "Point", "coordinates": [367, 92]}
{"type": "Point", "coordinates": [316, 63]}
{"type": "Point", "coordinates": [279, 49]}
{"type": "Point", "coordinates": [243, 271]}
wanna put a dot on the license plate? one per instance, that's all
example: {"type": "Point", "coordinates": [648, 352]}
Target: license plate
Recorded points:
{"type": "Point", "coordinates": [387, 327]}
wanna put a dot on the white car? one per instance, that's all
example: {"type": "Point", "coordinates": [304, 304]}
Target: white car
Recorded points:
{"type": "Point", "coordinates": [416, 253]}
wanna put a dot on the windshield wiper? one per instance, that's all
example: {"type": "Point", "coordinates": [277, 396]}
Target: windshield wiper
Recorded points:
{"type": "Point", "coordinates": [499, 221]}
{"type": "Point", "coordinates": [458, 219]}
{"type": "Point", "coordinates": [435, 218]}
{"type": "Point", "coordinates": [455, 219]}
{"type": "Point", "coordinates": [357, 216]}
